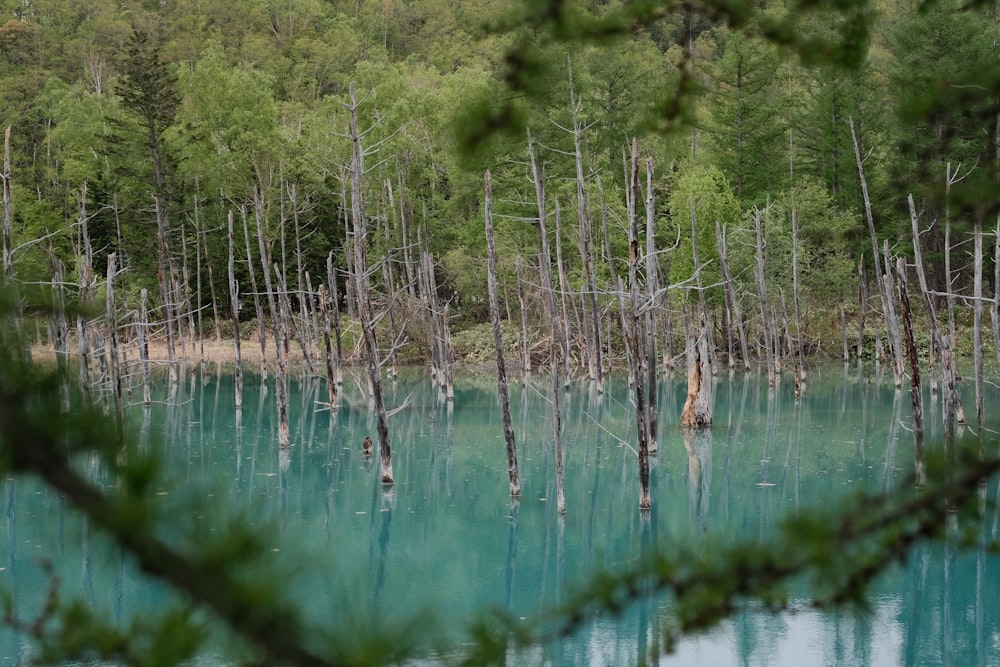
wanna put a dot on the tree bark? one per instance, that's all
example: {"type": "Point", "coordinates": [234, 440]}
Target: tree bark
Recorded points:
{"type": "Point", "coordinates": [362, 287]}
{"type": "Point", "coordinates": [491, 283]}
{"type": "Point", "coordinates": [234, 313]}
{"type": "Point", "coordinates": [916, 397]}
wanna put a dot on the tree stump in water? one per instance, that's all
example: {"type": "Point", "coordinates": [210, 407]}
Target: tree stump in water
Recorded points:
{"type": "Point", "coordinates": [697, 410]}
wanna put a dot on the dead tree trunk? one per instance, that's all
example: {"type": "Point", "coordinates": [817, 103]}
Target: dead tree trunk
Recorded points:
{"type": "Point", "coordinates": [593, 327]}
{"type": "Point", "coordinates": [143, 330]}
{"type": "Point", "coordinates": [563, 292]}
{"type": "Point", "coordinates": [995, 309]}
{"type": "Point", "coordinates": [491, 283]}
{"type": "Point", "coordinates": [362, 287]}
{"type": "Point", "coordinates": [729, 291]}
{"type": "Point", "coordinates": [6, 228]}
{"type": "Point", "coordinates": [949, 394]}
{"type": "Point", "coordinates": [331, 375]}
{"type": "Point", "coordinates": [331, 277]}
{"type": "Point", "coordinates": [525, 342]}
{"type": "Point", "coordinates": [697, 411]}
{"type": "Point", "coordinates": [916, 397]}
{"type": "Point", "coordinates": [652, 300]}
{"type": "Point", "coordinates": [281, 376]}
{"type": "Point", "coordinates": [234, 313]}
{"type": "Point", "coordinates": [259, 310]}
{"type": "Point", "coordinates": [634, 332]}
{"type": "Point", "coordinates": [795, 296]}
{"type": "Point", "coordinates": [888, 310]}
{"type": "Point", "coordinates": [977, 321]}
{"type": "Point", "coordinates": [545, 254]}
{"type": "Point", "coordinates": [765, 313]}
{"type": "Point", "coordinates": [862, 306]}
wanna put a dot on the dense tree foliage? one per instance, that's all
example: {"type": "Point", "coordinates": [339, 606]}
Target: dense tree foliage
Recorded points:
{"type": "Point", "coordinates": [179, 106]}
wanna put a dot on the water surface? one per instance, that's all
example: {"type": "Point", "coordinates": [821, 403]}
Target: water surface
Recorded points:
{"type": "Point", "coordinates": [446, 541]}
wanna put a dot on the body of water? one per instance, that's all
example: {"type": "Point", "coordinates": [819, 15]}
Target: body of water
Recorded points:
{"type": "Point", "coordinates": [446, 542]}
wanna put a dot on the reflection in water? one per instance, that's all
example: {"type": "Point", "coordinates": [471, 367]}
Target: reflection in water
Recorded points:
{"type": "Point", "coordinates": [698, 443]}
{"type": "Point", "coordinates": [457, 539]}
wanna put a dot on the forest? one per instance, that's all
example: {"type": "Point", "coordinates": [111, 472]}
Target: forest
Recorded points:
{"type": "Point", "coordinates": [575, 187]}
{"type": "Point", "coordinates": [159, 120]}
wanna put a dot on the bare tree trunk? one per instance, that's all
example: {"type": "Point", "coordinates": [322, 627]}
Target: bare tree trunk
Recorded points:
{"type": "Point", "coordinates": [862, 306]}
{"type": "Point", "coordinates": [888, 310]}
{"type": "Point", "coordinates": [891, 320]}
{"type": "Point", "coordinates": [563, 291]}
{"type": "Point", "coordinates": [765, 313]}
{"type": "Point", "coordinates": [652, 286]}
{"type": "Point", "coordinates": [732, 303]}
{"type": "Point", "coordinates": [331, 376]}
{"type": "Point", "coordinates": [211, 276]}
{"type": "Point", "coordinates": [261, 323]}
{"type": "Point", "coordinates": [60, 332]}
{"type": "Point", "coordinates": [545, 254]}
{"type": "Point", "coordinates": [525, 342]}
{"type": "Point", "coordinates": [916, 397]}
{"type": "Point", "coordinates": [634, 331]}
{"type": "Point", "coordinates": [977, 322]}
{"type": "Point", "coordinates": [114, 377]}
{"type": "Point", "coordinates": [6, 228]}
{"type": "Point", "coordinates": [843, 330]}
{"type": "Point", "coordinates": [143, 330]}
{"type": "Point", "coordinates": [234, 312]}
{"type": "Point", "coordinates": [361, 282]}
{"type": "Point", "coordinates": [949, 394]}
{"type": "Point", "coordinates": [281, 376]}
{"type": "Point", "coordinates": [697, 411]}
{"type": "Point", "coordinates": [995, 310]}
{"type": "Point", "coordinates": [491, 283]}
{"type": "Point", "coordinates": [795, 296]}
{"type": "Point", "coordinates": [593, 327]}
{"type": "Point", "coordinates": [557, 431]}
{"type": "Point", "coordinates": [331, 277]}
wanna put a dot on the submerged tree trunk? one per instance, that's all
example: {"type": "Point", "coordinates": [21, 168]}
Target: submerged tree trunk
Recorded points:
{"type": "Point", "coordinates": [697, 411]}
{"type": "Point", "coordinates": [281, 377]}
{"type": "Point", "coordinates": [234, 313]}
{"type": "Point", "coordinates": [361, 283]}
{"type": "Point", "coordinates": [916, 397]}
{"type": "Point", "coordinates": [634, 330]}
{"type": "Point", "coordinates": [491, 283]}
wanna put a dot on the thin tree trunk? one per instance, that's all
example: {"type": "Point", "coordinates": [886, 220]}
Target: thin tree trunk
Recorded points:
{"type": "Point", "coordinates": [545, 254]}
{"type": "Point", "coordinates": [592, 328]}
{"type": "Point", "coordinates": [765, 313]}
{"type": "Point", "coordinates": [557, 432]}
{"type": "Point", "coordinates": [888, 310]}
{"type": "Point", "coordinates": [6, 230]}
{"type": "Point", "coordinates": [916, 397]}
{"type": "Point", "coordinates": [862, 306]}
{"type": "Point", "coordinates": [362, 288]}
{"type": "Point", "coordinates": [949, 396]}
{"type": "Point", "coordinates": [634, 332]}
{"type": "Point", "coordinates": [143, 330]}
{"type": "Point", "coordinates": [563, 291]}
{"type": "Point", "coordinates": [843, 331]}
{"type": "Point", "coordinates": [732, 303]}
{"type": "Point", "coordinates": [234, 312]}
{"type": "Point", "coordinates": [977, 322]}
{"type": "Point", "coordinates": [995, 310]}
{"type": "Point", "coordinates": [491, 283]}
{"type": "Point", "coordinates": [525, 342]}
{"type": "Point", "coordinates": [281, 376]}
{"type": "Point", "coordinates": [331, 277]}
{"type": "Point", "coordinates": [261, 331]}
{"type": "Point", "coordinates": [652, 286]}
{"type": "Point", "coordinates": [795, 296]}
{"type": "Point", "coordinates": [892, 320]}
{"type": "Point", "coordinates": [331, 375]}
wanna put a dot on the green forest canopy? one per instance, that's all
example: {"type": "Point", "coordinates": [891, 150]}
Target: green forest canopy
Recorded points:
{"type": "Point", "coordinates": [249, 97]}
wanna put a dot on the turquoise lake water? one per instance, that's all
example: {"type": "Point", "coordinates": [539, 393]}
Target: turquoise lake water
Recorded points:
{"type": "Point", "coordinates": [445, 542]}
